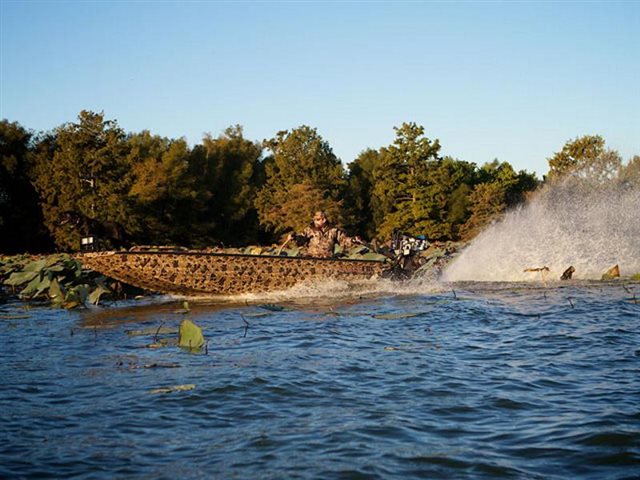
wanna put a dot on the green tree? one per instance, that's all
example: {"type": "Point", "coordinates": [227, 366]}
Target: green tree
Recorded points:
{"type": "Point", "coordinates": [231, 172]}
{"type": "Point", "coordinates": [21, 223]}
{"type": "Point", "coordinates": [81, 177]}
{"type": "Point", "coordinates": [301, 161]}
{"type": "Point", "coordinates": [400, 178]}
{"type": "Point", "coordinates": [363, 211]}
{"type": "Point", "coordinates": [164, 192]}
{"type": "Point", "coordinates": [500, 188]}
{"type": "Point", "coordinates": [630, 173]}
{"type": "Point", "coordinates": [445, 198]}
{"type": "Point", "coordinates": [585, 157]}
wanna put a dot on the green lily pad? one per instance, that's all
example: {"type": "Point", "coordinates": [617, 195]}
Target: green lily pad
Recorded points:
{"type": "Point", "coordinates": [174, 388]}
{"type": "Point", "coordinates": [36, 287]}
{"type": "Point", "coordinates": [20, 278]}
{"type": "Point", "coordinates": [56, 292]}
{"type": "Point", "coordinates": [190, 335]}
{"type": "Point", "coordinates": [35, 266]}
{"type": "Point", "coordinates": [94, 297]}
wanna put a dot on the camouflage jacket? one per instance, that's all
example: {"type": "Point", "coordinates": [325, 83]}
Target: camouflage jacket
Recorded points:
{"type": "Point", "coordinates": [320, 242]}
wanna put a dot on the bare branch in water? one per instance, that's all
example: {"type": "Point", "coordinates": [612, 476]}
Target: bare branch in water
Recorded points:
{"type": "Point", "coordinates": [155, 337]}
{"type": "Point", "coordinates": [246, 326]}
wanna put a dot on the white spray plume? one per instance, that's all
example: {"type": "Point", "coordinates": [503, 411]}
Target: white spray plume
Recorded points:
{"type": "Point", "coordinates": [586, 224]}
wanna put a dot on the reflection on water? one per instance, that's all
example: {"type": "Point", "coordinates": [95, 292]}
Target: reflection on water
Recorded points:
{"type": "Point", "coordinates": [435, 381]}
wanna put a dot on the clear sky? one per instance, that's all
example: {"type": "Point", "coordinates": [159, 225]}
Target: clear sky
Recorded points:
{"type": "Point", "coordinates": [506, 80]}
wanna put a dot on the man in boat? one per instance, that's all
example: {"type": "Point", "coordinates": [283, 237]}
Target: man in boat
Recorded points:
{"type": "Point", "coordinates": [321, 237]}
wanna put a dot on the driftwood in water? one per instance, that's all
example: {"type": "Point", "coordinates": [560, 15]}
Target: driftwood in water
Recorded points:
{"type": "Point", "coordinates": [613, 272]}
{"type": "Point", "coordinates": [568, 273]}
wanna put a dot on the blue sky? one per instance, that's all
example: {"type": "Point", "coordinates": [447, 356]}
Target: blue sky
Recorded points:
{"type": "Point", "coordinates": [506, 80]}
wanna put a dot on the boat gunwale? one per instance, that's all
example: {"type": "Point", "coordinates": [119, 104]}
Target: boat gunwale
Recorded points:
{"type": "Point", "coordinates": [225, 254]}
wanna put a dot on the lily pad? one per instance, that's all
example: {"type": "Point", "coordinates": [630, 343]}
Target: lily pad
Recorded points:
{"type": "Point", "coordinates": [94, 297]}
{"type": "Point", "coordinates": [56, 292]}
{"type": "Point", "coordinates": [36, 286]}
{"type": "Point", "coordinates": [190, 335]}
{"type": "Point", "coordinates": [175, 388]}
{"type": "Point", "coordinates": [35, 266]}
{"type": "Point", "coordinates": [185, 309]}
{"type": "Point", "coordinates": [20, 278]}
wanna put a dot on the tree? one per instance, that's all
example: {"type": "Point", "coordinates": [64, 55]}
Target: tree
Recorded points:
{"type": "Point", "coordinates": [81, 177]}
{"type": "Point", "coordinates": [363, 211]}
{"type": "Point", "coordinates": [445, 198]}
{"type": "Point", "coordinates": [400, 178]}
{"type": "Point", "coordinates": [21, 223]}
{"type": "Point", "coordinates": [500, 188]}
{"type": "Point", "coordinates": [231, 173]}
{"type": "Point", "coordinates": [164, 193]}
{"type": "Point", "coordinates": [630, 173]}
{"type": "Point", "coordinates": [301, 161]}
{"type": "Point", "coordinates": [585, 157]}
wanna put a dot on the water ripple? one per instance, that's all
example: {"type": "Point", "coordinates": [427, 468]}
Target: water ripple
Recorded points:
{"type": "Point", "coordinates": [500, 381]}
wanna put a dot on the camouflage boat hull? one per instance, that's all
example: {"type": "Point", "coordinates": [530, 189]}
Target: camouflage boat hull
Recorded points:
{"type": "Point", "coordinates": [194, 273]}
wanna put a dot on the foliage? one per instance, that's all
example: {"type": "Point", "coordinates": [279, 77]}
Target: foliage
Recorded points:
{"type": "Point", "coordinates": [293, 207]}
{"type": "Point", "coordinates": [630, 173]}
{"type": "Point", "coordinates": [500, 188]}
{"type": "Point", "coordinates": [585, 156]}
{"type": "Point", "coordinates": [81, 177]}
{"type": "Point", "coordinates": [90, 177]}
{"type": "Point", "coordinates": [301, 162]}
{"type": "Point", "coordinates": [59, 279]}
{"type": "Point", "coordinates": [163, 192]}
{"type": "Point", "coordinates": [400, 178]}
{"type": "Point", "coordinates": [445, 198]}
{"type": "Point", "coordinates": [230, 172]}
{"type": "Point", "coordinates": [21, 222]}
{"type": "Point", "coordinates": [363, 211]}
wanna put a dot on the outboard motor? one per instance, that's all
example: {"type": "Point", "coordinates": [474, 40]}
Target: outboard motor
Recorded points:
{"type": "Point", "coordinates": [405, 249]}
{"type": "Point", "coordinates": [405, 245]}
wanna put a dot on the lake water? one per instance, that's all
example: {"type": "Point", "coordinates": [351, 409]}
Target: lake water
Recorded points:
{"type": "Point", "coordinates": [464, 380]}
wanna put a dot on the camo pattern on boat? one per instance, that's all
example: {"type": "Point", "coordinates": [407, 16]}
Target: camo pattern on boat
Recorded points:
{"type": "Point", "coordinates": [203, 273]}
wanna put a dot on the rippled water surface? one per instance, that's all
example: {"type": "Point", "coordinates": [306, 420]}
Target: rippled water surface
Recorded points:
{"type": "Point", "coordinates": [461, 381]}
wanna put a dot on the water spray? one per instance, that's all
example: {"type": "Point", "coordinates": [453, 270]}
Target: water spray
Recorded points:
{"type": "Point", "coordinates": [587, 224]}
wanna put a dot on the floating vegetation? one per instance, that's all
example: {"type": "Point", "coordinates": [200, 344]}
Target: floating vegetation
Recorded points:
{"type": "Point", "coordinates": [273, 307]}
{"type": "Point", "coordinates": [14, 317]}
{"type": "Point", "coordinates": [613, 272]}
{"type": "Point", "coordinates": [175, 388]}
{"type": "Point", "coordinates": [257, 315]}
{"type": "Point", "coordinates": [185, 309]}
{"type": "Point", "coordinates": [152, 331]}
{"type": "Point", "coordinates": [58, 279]}
{"type": "Point", "coordinates": [131, 365]}
{"type": "Point", "coordinates": [190, 336]}
{"type": "Point", "coordinates": [395, 316]}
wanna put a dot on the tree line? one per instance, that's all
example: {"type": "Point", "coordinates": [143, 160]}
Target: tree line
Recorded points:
{"type": "Point", "coordinates": [91, 177]}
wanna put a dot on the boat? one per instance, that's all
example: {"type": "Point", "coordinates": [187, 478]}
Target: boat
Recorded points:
{"type": "Point", "coordinates": [205, 273]}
